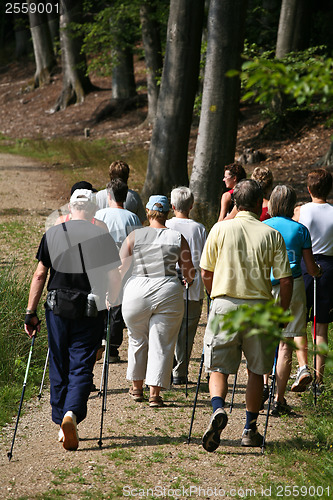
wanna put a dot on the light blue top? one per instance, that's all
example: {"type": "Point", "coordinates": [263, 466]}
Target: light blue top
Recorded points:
{"type": "Point", "coordinates": [296, 237]}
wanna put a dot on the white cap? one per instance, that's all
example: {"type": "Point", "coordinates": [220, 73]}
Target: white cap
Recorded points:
{"type": "Point", "coordinates": [83, 195]}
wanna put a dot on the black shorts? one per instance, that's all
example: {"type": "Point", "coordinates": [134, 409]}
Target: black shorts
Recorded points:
{"type": "Point", "coordinates": [324, 290]}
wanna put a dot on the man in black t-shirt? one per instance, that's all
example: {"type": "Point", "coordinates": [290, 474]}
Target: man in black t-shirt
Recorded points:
{"type": "Point", "coordinates": [83, 262]}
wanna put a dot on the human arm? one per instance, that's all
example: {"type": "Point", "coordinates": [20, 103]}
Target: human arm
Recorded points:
{"type": "Point", "coordinates": [225, 204]}
{"type": "Point", "coordinates": [185, 262]}
{"type": "Point", "coordinates": [297, 212]}
{"type": "Point", "coordinates": [232, 214]}
{"type": "Point", "coordinates": [126, 253]}
{"type": "Point", "coordinates": [207, 278]}
{"type": "Point", "coordinates": [286, 291]}
{"type": "Point", "coordinates": [311, 266]}
{"type": "Point", "coordinates": [36, 289]}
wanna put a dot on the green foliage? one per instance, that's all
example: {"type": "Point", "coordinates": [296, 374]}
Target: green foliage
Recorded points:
{"type": "Point", "coordinates": [303, 79]}
{"type": "Point", "coordinates": [259, 319]}
{"type": "Point", "coordinates": [15, 344]}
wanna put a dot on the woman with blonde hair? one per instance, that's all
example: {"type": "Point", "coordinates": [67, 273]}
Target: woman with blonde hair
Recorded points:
{"type": "Point", "coordinates": [153, 305]}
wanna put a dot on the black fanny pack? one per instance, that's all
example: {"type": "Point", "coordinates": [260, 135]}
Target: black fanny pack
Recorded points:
{"type": "Point", "coordinates": [67, 303]}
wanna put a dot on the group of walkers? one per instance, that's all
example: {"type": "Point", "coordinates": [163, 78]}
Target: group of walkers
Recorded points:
{"type": "Point", "coordinates": [149, 271]}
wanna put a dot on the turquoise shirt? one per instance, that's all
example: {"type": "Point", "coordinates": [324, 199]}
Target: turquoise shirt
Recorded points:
{"type": "Point", "coordinates": [296, 237]}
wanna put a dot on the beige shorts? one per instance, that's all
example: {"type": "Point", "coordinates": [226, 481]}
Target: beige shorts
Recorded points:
{"type": "Point", "coordinates": [297, 327]}
{"type": "Point", "coordinates": [223, 352]}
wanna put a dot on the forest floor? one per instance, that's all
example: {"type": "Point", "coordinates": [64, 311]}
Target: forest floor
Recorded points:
{"type": "Point", "coordinates": [143, 448]}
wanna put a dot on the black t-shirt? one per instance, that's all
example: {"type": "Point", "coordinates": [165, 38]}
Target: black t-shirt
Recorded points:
{"type": "Point", "coordinates": [79, 255]}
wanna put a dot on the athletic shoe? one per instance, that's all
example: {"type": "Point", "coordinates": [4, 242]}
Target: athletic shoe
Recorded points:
{"type": "Point", "coordinates": [320, 388]}
{"type": "Point", "coordinates": [179, 380]}
{"type": "Point", "coordinates": [280, 408]}
{"type": "Point", "coordinates": [251, 438]}
{"type": "Point", "coordinates": [265, 396]}
{"type": "Point", "coordinates": [211, 438]}
{"type": "Point", "coordinates": [303, 379]}
{"type": "Point", "coordinates": [69, 428]}
{"type": "Point", "coordinates": [114, 359]}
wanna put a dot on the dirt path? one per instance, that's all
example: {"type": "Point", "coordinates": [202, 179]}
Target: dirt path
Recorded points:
{"type": "Point", "coordinates": [142, 447]}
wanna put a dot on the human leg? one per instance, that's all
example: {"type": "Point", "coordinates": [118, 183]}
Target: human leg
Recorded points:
{"type": "Point", "coordinates": [283, 369]}
{"type": "Point", "coordinates": [194, 313]}
{"type": "Point", "coordinates": [163, 331]}
{"type": "Point", "coordinates": [303, 376]}
{"type": "Point", "coordinates": [57, 329]}
{"type": "Point", "coordinates": [117, 326]}
{"type": "Point", "coordinates": [321, 337]}
{"type": "Point", "coordinates": [85, 336]}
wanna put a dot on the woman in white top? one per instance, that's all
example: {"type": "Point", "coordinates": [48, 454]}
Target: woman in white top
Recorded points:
{"type": "Point", "coordinates": [195, 234]}
{"type": "Point", "coordinates": [153, 304]}
{"type": "Point", "coordinates": [317, 216]}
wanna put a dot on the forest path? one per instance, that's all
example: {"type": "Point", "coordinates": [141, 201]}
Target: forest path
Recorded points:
{"type": "Point", "coordinates": [142, 447]}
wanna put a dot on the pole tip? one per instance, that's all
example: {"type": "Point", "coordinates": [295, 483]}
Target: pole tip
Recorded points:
{"type": "Point", "coordinates": [9, 455]}
{"type": "Point", "coordinates": [100, 444]}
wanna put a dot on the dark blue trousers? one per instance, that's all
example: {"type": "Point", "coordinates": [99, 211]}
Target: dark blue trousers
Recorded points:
{"type": "Point", "coordinates": [73, 345]}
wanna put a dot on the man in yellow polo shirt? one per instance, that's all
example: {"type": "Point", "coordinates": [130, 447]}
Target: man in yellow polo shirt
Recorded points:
{"type": "Point", "coordinates": [235, 267]}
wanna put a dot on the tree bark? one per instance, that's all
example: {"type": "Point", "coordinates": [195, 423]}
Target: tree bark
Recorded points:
{"type": "Point", "coordinates": [123, 82]}
{"type": "Point", "coordinates": [294, 26]}
{"type": "Point", "coordinates": [217, 133]}
{"type": "Point", "coordinates": [75, 84]}
{"type": "Point", "coordinates": [167, 161]}
{"type": "Point", "coordinates": [42, 45]}
{"type": "Point", "coordinates": [153, 55]}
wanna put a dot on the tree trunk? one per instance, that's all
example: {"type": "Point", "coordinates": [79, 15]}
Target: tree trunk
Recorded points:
{"type": "Point", "coordinates": [294, 26]}
{"type": "Point", "coordinates": [153, 55]}
{"type": "Point", "coordinates": [217, 133]}
{"type": "Point", "coordinates": [43, 49]}
{"type": "Point", "coordinates": [123, 82]}
{"type": "Point", "coordinates": [167, 161]}
{"type": "Point", "coordinates": [75, 83]}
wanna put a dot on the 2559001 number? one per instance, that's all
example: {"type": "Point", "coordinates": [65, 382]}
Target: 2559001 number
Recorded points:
{"type": "Point", "coordinates": [32, 8]}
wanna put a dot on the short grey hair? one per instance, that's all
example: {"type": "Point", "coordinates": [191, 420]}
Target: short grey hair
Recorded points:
{"type": "Point", "coordinates": [282, 201]}
{"type": "Point", "coordinates": [182, 199]}
{"type": "Point", "coordinates": [86, 206]}
{"type": "Point", "coordinates": [247, 193]}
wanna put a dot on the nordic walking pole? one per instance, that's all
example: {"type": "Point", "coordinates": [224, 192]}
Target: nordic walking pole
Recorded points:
{"type": "Point", "coordinates": [100, 392]}
{"type": "Point", "coordinates": [315, 340]}
{"type": "Point", "coordinates": [105, 374]}
{"type": "Point", "coordinates": [186, 338]}
{"type": "Point", "coordinates": [271, 395]}
{"type": "Point", "coordinates": [10, 453]}
{"type": "Point", "coordinates": [199, 379]}
{"type": "Point", "coordinates": [233, 393]}
{"type": "Point", "coordinates": [43, 377]}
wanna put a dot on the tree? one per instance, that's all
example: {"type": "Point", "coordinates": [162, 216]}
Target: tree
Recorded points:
{"type": "Point", "coordinates": [42, 45]}
{"type": "Point", "coordinates": [217, 133]}
{"type": "Point", "coordinates": [153, 54]}
{"type": "Point", "coordinates": [294, 26]}
{"type": "Point", "coordinates": [75, 82]}
{"type": "Point", "coordinates": [167, 161]}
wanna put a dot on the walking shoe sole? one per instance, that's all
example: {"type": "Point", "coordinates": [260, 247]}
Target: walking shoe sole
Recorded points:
{"type": "Point", "coordinates": [211, 439]}
{"type": "Point", "coordinates": [302, 384]}
{"type": "Point", "coordinates": [70, 441]}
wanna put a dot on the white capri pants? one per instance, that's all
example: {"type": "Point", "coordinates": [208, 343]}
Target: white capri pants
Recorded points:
{"type": "Point", "coordinates": [153, 310]}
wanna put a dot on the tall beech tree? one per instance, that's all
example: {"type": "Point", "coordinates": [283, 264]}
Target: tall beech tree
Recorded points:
{"type": "Point", "coordinates": [75, 83]}
{"type": "Point", "coordinates": [42, 45]}
{"type": "Point", "coordinates": [294, 26]}
{"type": "Point", "coordinates": [217, 133]}
{"type": "Point", "coordinates": [153, 54]}
{"type": "Point", "coordinates": [167, 161]}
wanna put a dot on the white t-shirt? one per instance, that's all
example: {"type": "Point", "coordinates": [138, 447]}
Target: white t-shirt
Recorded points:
{"type": "Point", "coordinates": [133, 203]}
{"type": "Point", "coordinates": [318, 218]}
{"type": "Point", "coordinates": [195, 235]}
{"type": "Point", "coordinates": [120, 222]}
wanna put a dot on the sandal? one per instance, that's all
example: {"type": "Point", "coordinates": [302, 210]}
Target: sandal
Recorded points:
{"type": "Point", "coordinates": [156, 402]}
{"type": "Point", "coordinates": [137, 394]}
